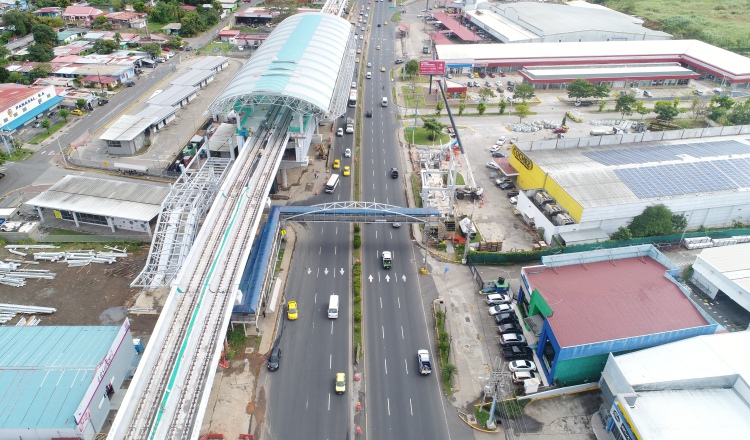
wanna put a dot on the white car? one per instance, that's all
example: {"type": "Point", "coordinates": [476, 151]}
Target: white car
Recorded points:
{"type": "Point", "coordinates": [501, 140]}
{"type": "Point", "coordinates": [492, 148]}
{"type": "Point", "coordinates": [369, 75]}
{"type": "Point", "coordinates": [354, 85]}
{"type": "Point", "coordinates": [348, 152]}
{"type": "Point", "coordinates": [514, 139]}
{"type": "Point", "coordinates": [521, 365]}
{"type": "Point", "coordinates": [340, 132]}
{"type": "Point", "coordinates": [492, 165]}
{"type": "Point", "coordinates": [497, 298]}
{"type": "Point", "coordinates": [449, 76]}
{"type": "Point", "coordinates": [500, 308]}
{"type": "Point", "coordinates": [513, 200]}
{"type": "Point", "coordinates": [369, 64]}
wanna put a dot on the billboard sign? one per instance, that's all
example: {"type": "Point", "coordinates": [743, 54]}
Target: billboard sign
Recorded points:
{"type": "Point", "coordinates": [432, 67]}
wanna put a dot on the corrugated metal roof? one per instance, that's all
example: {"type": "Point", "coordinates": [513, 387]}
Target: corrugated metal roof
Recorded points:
{"type": "Point", "coordinates": [192, 77]}
{"type": "Point", "coordinates": [45, 372]}
{"type": "Point", "coordinates": [109, 198]}
{"type": "Point", "coordinates": [602, 301]}
{"type": "Point", "coordinates": [172, 96]}
{"type": "Point", "coordinates": [731, 261]}
{"type": "Point", "coordinates": [703, 404]}
{"type": "Point", "coordinates": [127, 128]}
{"type": "Point", "coordinates": [209, 63]}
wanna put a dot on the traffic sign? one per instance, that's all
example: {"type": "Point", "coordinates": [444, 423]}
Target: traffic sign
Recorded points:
{"type": "Point", "coordinates": [410, 127]}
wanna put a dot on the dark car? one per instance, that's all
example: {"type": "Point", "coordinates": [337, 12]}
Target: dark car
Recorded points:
{"type": "Point", "coordinates": [511, 83]}
{"type": "Point", "coordinates": [511, 327]}
{"type": "Point", "coordinates": [103, 101]}
{"type": "Point", "coordinates": [399, 61]}
{"type": "Point", "coordinates": [368, 113]}
{"type": "Point", "coordinates": [394, 173]}
{"type": "Point", "coordinates": [500, 89]}
{"type": "Point", "coordinates": [507, 185]}
{"type": "Point", "coordinates": [512, 193]}
{"type": "Point", "coordinates": [497, 154]}
{"type": "Point", "coordinates": [516, 352]}
{"type": "Point", "coordinates": [274, 359]}
{"type": "Point", "coordinates": [482, 74]}
{"type": "Point", "coordinates": [130, 83]}
{"type": "Point", "coordinates": [505, 318]}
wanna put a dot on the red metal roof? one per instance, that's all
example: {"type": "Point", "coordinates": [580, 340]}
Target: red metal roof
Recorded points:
{"type": "Point", "coordinates": [612, 300]}
{"type": "Point", "coordinates": [99, 79]}
{"type": "Point", "coordinates": [457, 28]}
{"type": "Point", "coordinates": [505, 167]}
{"type": "Point", "coordinates": [439, 38]}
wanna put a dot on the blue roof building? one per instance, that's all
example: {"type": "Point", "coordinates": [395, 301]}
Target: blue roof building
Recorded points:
{"type": "Point", "coordinates": [57, 382]}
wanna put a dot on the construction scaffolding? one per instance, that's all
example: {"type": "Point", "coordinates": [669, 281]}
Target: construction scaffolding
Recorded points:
{"type": "Point", "coordinates": [179, 222]}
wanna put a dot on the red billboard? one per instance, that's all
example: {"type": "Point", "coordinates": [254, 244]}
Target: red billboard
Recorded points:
{"type": "Point", "coordinates": [432, 67]}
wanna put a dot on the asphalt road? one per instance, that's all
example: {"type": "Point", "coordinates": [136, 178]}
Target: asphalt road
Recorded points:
{"type": "Point", "coordinates": [399, 402]}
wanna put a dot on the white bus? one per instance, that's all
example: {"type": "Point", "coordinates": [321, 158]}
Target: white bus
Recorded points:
{"type": "Point", "coordinates": [333, 307]}
{"type": "Point", "coordinates": [333, 182]}
{"type": "Point", "coordinates": [353, 98]}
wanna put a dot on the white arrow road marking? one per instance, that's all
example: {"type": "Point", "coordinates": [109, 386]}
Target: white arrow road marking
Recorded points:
{"type": "Point", "coordinates": [387, 278]}
{"type": "Point", "coordinates": [342, 271]}
{"type": "Point", "coordinates": [309, 271]}
{"type": "Point", "coordinates": [370, 278]}
{"type": "Point", "coordinates": [325, 271]}
{"type": "Point", "coordinates": [403, 277]}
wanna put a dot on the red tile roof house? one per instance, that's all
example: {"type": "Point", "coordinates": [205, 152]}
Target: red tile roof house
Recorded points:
{"type": "Point", "coordinates": [126, 19]}
{"type": "Point", "coordinates": [81, 13]}
{"type": "Point", "coordinates": [584, 306]}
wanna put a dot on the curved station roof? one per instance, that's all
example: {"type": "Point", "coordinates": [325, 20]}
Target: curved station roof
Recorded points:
{"type": "Point", "coordinates": [298, 65]}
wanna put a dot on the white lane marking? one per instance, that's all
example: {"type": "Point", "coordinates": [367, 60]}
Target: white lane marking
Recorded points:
{"type": "Point", "coordinates": [330, 361]}
{"type": "Point", "coordinates": [411, 410]}
{"type": "Point", "coordinates": [334, 250]}
{"type": "Point", "coordinates": [383, 150]}
{"type": "Point", "coordinates": [321, 231]}
{"type": "Point", "coordinates": [376, 233]}
{"type": "Point", "coordinates": [386, 200]}
{"type": "Point", "coordinates": [398, 298]}
{"type": "Point", "coordinates": [386, 187]}
{"type": "Point", "coordinates": [331, 327]}
{"type": "Point", "coordinates": [329, 401]}
{"type": "Point", "coordinates": [395, 278]}
{"type": "Point", "coordinates": [385, 362]}
{"type": "Point", "coordinates": [373, 185]}
{"type": "Point", "coordinates": [337, 230]}
{"type": "Point", "coordinates": [391, 235]}
{"type": "Point", "coordinates": [373, 173]}
{"type": "Point", "coordinates": [389, 406]}
{"type": "Point", "coordinates": [381, 302]}
{"type": "Point", "coordinates": [402, 332]}
{"type": "Point", "coordinates": [382, 328]}
{"type": "Point", "coordinates": [378, 276]}
{"type": "Point", "coordinates": [315, 300]}
{"type": "Point", "coordinates": [406, 367]}
{"type": "Point", "coordinates": [320, 251]}
{"type": "Point", "coordinates": [318, 275]}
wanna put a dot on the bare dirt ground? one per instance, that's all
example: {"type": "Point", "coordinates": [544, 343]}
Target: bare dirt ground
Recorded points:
{"type": "Point", "coordinates": [97, 294]}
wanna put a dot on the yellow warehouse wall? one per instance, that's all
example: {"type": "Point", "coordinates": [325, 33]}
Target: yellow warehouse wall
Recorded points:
{"type": "Point", "coordinates": [530, 176]}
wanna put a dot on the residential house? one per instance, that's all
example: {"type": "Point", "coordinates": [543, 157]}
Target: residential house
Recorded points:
{"type": "Point", "coordinates": [18, 46]}
{"type": "Point", "coordinates": [81, 13]}
{"type": "Point", "coordinates": [172, 29]}
{"type": "Point", "coordinates": [229, 35]}
{"type": "Point", "coordinates": [48, 12]}
{"type": "Point", "coordinates": [67, 36]}
{"type": "Point", "coordinates": [126, 19]}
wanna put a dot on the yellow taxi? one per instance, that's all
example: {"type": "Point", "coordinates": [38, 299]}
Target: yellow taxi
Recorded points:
{"type": "Point", "coordinates": [340, 383]}
{"type": "Point", "coordinates": [76, 112]}
{"type": "Point", "coordinates": [382, 69]}
{"type": "Point", "coordinates": [359, 50]}
{"type": "Point", "coordinates": [291, 310]}
{"type": "Point", "coordinates": [336, 164]}
{"type": "Point", "coordinates": [361, 37]}
{"type": "Point", "coordinates": [377, 47]}
{"type": "Point", "coordinates": [385, 23]}
{"type": "Point", "coordinates": [356, 60]}
{"type": "Point", "coordinates": [346, 170]}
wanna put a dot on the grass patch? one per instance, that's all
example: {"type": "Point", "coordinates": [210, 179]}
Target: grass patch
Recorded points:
{"type": "Point", "coordinates": [217, 47]}
{"type": "Point", "coordinates": [460, 179]}
{"type": "Point", "coordinates": [412, 97]}
{"type": "Point", "coordinates": [482, 416]}
{"type": "Point", "coordinates": [416, 187]}
{"type": "Point", "coordinates": [421, 137]}
{"type": "Point", "coordinates": [357, 308]}
{"type": "Point", "coordinates": [18, 155]}
{"type": "Point", "coordinates": [396, 17]}
{"type": "Point", "coordinates": [44, 135]}
{"type": "Point", "coordinates": [444, 348]}
{"type": "Point", "coordinates": [278, 260]}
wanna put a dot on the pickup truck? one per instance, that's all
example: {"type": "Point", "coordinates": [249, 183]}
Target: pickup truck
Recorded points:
{"type": "Point", "coordinates": [387, 260]}
{"type": "Point", "coordinates": [425, 367]}
{"type": "Point", "coordinates": [349, 125]}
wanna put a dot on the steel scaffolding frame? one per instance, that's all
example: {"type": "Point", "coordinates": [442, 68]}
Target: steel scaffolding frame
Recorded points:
{"type": "Point", "coordinates": [179, 221]}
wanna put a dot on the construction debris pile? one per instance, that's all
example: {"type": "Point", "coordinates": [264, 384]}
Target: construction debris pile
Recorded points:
{"type": "Point", "coordinates": [14, 272]}
{"type": "Point", "coordinates": [9, 311]}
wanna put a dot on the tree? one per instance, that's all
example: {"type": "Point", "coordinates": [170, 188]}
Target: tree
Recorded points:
{"type": "Point", "coordinates": [44, 34]}
{"type": "Point", "coordinates": [191, 24]}
{"type": "Point", "coordinates": [411, 68]}
{"type": "Point", "coordinates": [117, 38]}
{"type": "Point", "coordinates": [285, 8]}
{"type": "Point", "coordinates": [719, 107]}
{"type": "Point", "coordinates": [679, 223]}
{"type": "Point", "coordinates": [80, 103]}
{"type": "Point", "coordinates": [152, 49]}
{"type": "Point", "coordinates": [580, 88]}
{"type": "Point", "coordinates": [439, 106]}
{"type": "Point", "coordinates": [164, 12]}
{"type": "Point", "coordinates": [41, 70]}
{"type": "Point", "coordinates": [100, 21]}
{"type": "Point", "coordinates": [641, 109]}
{"type": "Point", "coordinates": [117, 5]}
{"type": "Point", "coordinates": [461, 107]}
{"type": "Point", "coordinates": [740, 113]}
{"type": "Point", "coordinates": [503, 104]}
{"type": "Point", "coordinates": [62, 3]}
{"type": "Point", "coordinates": [4, 75]}
{"type": "Point", "coordinates": [481, 107]}
{"type": "Point", "coordinates": [485, 93]}
{"type": "Point", "coordinates": [522, 111]}
{"type": "Point", "coordinates": [46, 124]}
{"type": "Point", "coordinates": [40, 53]}
{"type": "Point", "coordinates": [19, 22]}
{"type": "Point", "coordinates": [625, 104]}
{"type": "Point", "coordinates": [524, 92]}
{"type": "Point", "coordinates": [433, 126]}
{"type": "Point", "coordinates": [17, 78]}
{"type": "Point", "coordinates": [64, 114]}
{"type": "Point", "coordinates": [139, 6]}
{"type": "Point", "coordinates": [601, 91]}
{"type": "Point", "coordinates": [724, 101]}
{"type": "Point", "coordinates": [602, 104]}
{"type": "Point", "coordinates": [654, 220]}
{"type": "Point", "coordinates": [105, 47]}
{"type": "Point", "coordinates": [698, 108]}
{"type": "Point", "coordinates": [4, 54]}
{"type": "Point", "coordinates": [665, 110]}
{"type": "Point", "coordinates": [621, 234]}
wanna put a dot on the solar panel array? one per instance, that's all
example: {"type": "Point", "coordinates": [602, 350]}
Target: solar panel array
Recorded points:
{"type": "Point", "coordinates": [661, 153]}
{"type": "Point", "coordinates": [686, 178]}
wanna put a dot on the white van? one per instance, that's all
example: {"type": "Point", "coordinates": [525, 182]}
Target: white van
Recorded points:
{"type": "Point", "coordinates": [384, 103]}
{"type": "Point", "coordinates": [333, 182]}
{"type": "Point", "coordinates": [333, 307]}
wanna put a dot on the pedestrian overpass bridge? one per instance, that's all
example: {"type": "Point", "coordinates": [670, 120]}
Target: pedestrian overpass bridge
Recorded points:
{"type": "Point", "coordinates": [358, 212]}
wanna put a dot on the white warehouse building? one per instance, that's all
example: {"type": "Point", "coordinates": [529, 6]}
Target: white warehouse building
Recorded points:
{"type": "Point", "coordinates": [726, 270]}
{"type": "Point", "coordinates": [595, 190]}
